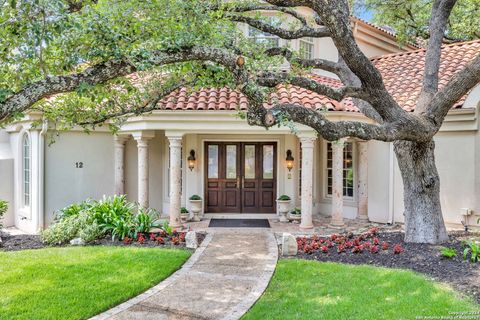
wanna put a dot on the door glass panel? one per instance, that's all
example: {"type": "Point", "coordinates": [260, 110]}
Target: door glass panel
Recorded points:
{"type": "Point", "coordinates": [249, 162]}
{"type": "Point", "coordinates": [213, 161]}
{"type": "Point", "coordinates": [268, 162]}
{"type": "Point", "coordinates": [231, 161]}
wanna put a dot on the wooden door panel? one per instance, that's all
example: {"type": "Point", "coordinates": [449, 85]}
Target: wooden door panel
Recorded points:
{"type": "Point", "coordinates": [243, 180]}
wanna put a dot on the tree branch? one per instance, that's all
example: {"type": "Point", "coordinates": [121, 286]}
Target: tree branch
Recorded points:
{"type": "Point", "coordinates": [109, 70]}
{"type": "Point", "coordinates": [461, 83]}
{"type": "Point", "coordinates": [398, 130]}
{"type": "Point", "coordinates": [438, 23]}
{"type": "Point", "coordinates": [304, 31]}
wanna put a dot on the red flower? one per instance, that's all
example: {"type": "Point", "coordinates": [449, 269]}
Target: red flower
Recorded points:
{"type": "Point", "coordinates": [376, 241]}
{"type": "Point", "coordinates": [127, 240]}
{"type": "Point", "coordinates": [333, 237]}
{"type": "Point", "coordinates": [357, 249]}
{"type": "Point", "coordinates": [159, 240]}
{"type": "Point", "coordinates": [397, 249]}
{"type": "Point", "coordinates": [175, 241]}
{"type": "Point", "coordinates": [348, 244]}
{"type": "Point", "coordinates": [374, 249]}
{"type": "Point", "coordinates": [324, 249]}
{"type": "Point", "coordinates": [307, 248]}
{"type": "Point", "coordinates": [182, 237]}
{"type": "Point", "coordinates": [385, 245]}
{"type": "Point", "coordinates": [141, 238]}
{"type": "Point", "coordinates": [329, 244]}
{"type": "Point", "coordinates": [341, 248]}
{"type": "Point", "coordinates": [367, 245]}
{"type": "Point", "coordinates": [152, 236]}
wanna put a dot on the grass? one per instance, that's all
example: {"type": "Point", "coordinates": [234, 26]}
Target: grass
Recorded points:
{"type": "Point", "coordinates": [312, 290]}
{"type": "Point", "coordinates": [79, 282]}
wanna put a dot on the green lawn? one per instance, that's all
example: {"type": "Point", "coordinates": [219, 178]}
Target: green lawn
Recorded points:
{"type": "Point", "coordinates": [79, 282]}
{"type": "Point", "coordinates": [313, 290]}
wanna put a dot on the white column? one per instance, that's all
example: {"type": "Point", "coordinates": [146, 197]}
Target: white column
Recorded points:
{"type": "Point", "coordinates": [119, 158]}
{"type": "Point", "coordinates": [175, 180]}
{"type": "Point", "coordinates": [142, 139]}
{"type": "Point", "coordinates": [337, 183]}
{"type": "Point", "coordinates": [307, 144]}
{"type": "Point", "coordinates": [362, 180]}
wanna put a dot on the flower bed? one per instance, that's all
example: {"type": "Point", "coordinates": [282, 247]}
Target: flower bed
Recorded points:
{"type": "Point", "coordinates": [349, 243]}
{"type": "Point", "coordinates": [424, 258]}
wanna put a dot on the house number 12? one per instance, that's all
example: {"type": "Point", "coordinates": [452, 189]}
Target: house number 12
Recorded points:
{"type": "Point", "coordinates": [79, 165]}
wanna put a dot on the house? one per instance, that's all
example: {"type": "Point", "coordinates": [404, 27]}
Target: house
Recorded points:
{"type": "Point", "coordinates": [195, 144]}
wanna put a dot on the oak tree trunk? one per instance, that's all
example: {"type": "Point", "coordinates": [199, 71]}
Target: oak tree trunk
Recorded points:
{"type": "Point", "coordinates": [421, 183]}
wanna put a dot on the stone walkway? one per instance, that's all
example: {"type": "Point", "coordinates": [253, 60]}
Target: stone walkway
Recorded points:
{"type": "Point", "coordinates": [222, 280]}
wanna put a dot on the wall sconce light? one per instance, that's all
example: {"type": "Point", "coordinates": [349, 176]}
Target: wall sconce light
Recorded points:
{"type": "Point", "coordinates": [191, 160]}
{"type": "Point", "coordinates": [289, 159]}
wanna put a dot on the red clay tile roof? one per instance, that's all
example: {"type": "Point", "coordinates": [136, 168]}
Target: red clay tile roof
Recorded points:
{"type": "Point", "coordinates": [402, 74]}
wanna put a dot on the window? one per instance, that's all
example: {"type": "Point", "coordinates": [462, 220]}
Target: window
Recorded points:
{"type": "Point", "coordinates": [265, 38]}
{"type": "Point", "coordinates": [347, 169]}
{"type": "Point", "coordinates": [307, 48]}
{"type": "Point", "coordinates": [26, 170]}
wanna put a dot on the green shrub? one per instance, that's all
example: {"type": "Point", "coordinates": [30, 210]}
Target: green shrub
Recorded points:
{"type": "Point", "coordinates": [91, 220]}
{"type": "Point", "coordinates": [145, 220]}
{"type": "Point", "coordinates": [296, 211]}
{"type": "Point", "coordinates": [448, 252]}
{"type": "Point", "coordinates": [183, 210]}
{"type": "Point", "coordinates": [3, 210]}
{"type": "Point", "coordinates": [166, 227]}
{"type": "Point", "coordinates": [63, 231]}
{"type": "Point", "coordinates": [472, 248]}
{"type": "Point", "coordinates": [284, 197]}
{"type": "Point", "coordinates": [75, 209]}
{"type": "Point", "coordinates": [195, 197]}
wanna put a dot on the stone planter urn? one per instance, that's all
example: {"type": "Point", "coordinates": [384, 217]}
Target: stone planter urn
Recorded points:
{"type": "Point", "coordinates": [295, 215]}
{"type": "Point", "coordinates": [196, 207]}
{"type": "Point", "coordinates": [283, 207]}
{"type": "Point", "coordinates": [184, 214]}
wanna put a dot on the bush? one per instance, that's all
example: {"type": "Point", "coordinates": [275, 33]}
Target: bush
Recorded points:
{"type": "Point", "coordinates": [63, 231]}
{"type": "Point", "coordinates": [284, 197]}
{"type": "Point", "coordinates": [91, 220]}
{"type": "Point", "coordinates": [3, 210]}
{"type": "Point", "coordinates": [448, 252]}
{"type": "Point", "coordinates": [195, 197]}
{"type": "Point", "coordinates": [472, 248]}
{"type": "Point", "coordinates": [145, 220]}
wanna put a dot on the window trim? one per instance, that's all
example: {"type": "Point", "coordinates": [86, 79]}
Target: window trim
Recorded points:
{"type": "Point", "coordinates": [354, 168]}
{"type": "Point", "coordinates": [255, 34]}
{"type": "Point", "coordinates": [26, 137]}
{"type": "Point", "coordinates": [308, 41]}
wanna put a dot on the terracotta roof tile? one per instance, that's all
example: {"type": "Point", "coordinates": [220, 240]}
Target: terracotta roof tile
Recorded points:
{"type": "Point", "coordinates": [402, 74]}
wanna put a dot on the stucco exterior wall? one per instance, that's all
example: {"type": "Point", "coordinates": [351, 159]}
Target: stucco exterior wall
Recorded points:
{"type": "Point", "coordinates": [6, 178]}
{"type": "Point", "coordinates": [457, 164]}
{"type": "Point", "coordinates": [64, 182]}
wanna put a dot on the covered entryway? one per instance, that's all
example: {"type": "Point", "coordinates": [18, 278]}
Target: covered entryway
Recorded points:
{"type": "Point", "coordinates": [240, 177]}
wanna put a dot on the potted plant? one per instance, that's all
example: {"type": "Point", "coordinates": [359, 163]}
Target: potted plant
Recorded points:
{"type": "Point", "coordinates": [283, 207]}
{"type": "Point", "coordinates": [296, 215]}
{"type": "Point", "coordinates": [184, 214]}
{"type": "Point", "coordinates": [196, 206]}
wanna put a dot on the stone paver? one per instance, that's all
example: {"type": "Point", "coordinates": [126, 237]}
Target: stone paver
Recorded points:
{"type": "Point", "coordinates": [222, 280]}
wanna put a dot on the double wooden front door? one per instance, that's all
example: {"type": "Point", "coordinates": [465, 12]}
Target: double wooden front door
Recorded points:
{"type": "Point", "coordinates": [240, 177]}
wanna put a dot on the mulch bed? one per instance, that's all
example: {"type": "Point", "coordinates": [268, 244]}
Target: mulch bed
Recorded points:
{"type": "Point", "coordinates": [423, 258]}
{"type": "Point", "coordinates": [20, 242]}
{"type": "Point", "coordinates": [24, 242]}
